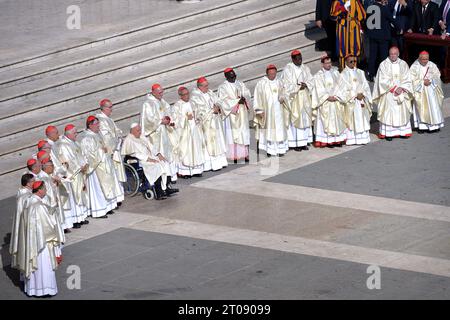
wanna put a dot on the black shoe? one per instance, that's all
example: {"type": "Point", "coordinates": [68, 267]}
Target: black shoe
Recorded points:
{"type": "Point", "coordinates": [67, 231]}
{"type": "Point", "coordinates": [161, 196]}
{"type": "Point", "coordinates": [298, 149]}
{"type": "Point", "coordinates": [84, 222]}
{"type": "Point", "coordinates": [305, 148]}
{"type": "Point", "coordinates": [235, 161]}
{"type": "Point", "coordinates": [110, 212]}
{"type": "Point", "coordinates": [268, 155]}
{"type": "Point", "coordinates": [172, 190]}
{"type": "Point", "coordinates": [389, 138]}
{"type": "Point", "coordinates": [281, 154]}
{"type": "Point", "coordinates": [119, 204]}
{"type": "Point", "coordinates": [76, 225]}
{"type": "Point", "coordinates": [247, 159]}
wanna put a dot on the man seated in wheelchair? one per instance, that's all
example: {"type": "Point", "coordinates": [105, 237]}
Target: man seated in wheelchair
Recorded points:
{"type": "Point", "coordinates": [138, 153]}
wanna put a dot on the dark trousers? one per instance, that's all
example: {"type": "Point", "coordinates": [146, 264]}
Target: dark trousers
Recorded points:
{"type": "Point", "coordinates": [379, 50]}
{"type": "Point", "coordinates": [330, 29]}
{"type": "Point", "coordinates": [398, 41]}
{"type": "Point", "coordinates": [158, 189]}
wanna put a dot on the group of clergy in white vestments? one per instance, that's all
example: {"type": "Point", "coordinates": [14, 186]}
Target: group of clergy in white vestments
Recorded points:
{"type": "Point", "coordinates": [70, 178]}
{"type": "Point", "coordinates": [76, 176]}
{"type": "Point", "coordinates": [336, 107]}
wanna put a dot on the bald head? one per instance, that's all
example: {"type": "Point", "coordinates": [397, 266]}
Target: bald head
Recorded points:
{"type": "Point", "coordinates": [393, 54]}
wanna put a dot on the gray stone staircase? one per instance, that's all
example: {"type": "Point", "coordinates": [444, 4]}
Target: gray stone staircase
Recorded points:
{"type": "Point", "coordinates": [65, 86]}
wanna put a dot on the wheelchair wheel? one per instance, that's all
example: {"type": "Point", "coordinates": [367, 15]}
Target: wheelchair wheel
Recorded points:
{"type": "Point", "coordinates": [148, 194]}
{"type": "Point", "coordinates": [131, 186]}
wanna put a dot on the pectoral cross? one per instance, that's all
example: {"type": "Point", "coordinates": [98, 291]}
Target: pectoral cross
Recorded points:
{"type": "Point", "coordinates": [426, 73]}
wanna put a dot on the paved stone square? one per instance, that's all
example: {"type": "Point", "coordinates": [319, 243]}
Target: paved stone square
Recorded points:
{"type": "Point", "coordinates": [133, 264]}
{"type": "Point", "coordinates": [309, 225]}
{"type": "Point", "coordinates": [218, 239]}
{"type": "Point", "coordinates": [375, 170]}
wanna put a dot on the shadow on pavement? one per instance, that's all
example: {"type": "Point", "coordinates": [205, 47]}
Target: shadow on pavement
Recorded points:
{"type": "Point", "coordinates": [13, 274]}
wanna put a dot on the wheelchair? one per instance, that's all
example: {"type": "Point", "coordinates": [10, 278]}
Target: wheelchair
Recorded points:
{"type": "Point", "coordinates": [136, 180]}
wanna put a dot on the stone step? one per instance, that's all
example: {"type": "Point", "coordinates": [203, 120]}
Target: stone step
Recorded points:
{"type": "Point", "coordinates": [122, 45]}
{"type": "Point", "coordinates": [116, 32]}
{"type": "Point", "coordinates": [65, 86]}
{"type": "Point", "coordinates": [14, 143]}
{"type": "Point", "coordinates": [52, 106]}
{"type": "Point", "coordinates": [12, 164]}
{"type": "Point", "coordinates": [128, 60]}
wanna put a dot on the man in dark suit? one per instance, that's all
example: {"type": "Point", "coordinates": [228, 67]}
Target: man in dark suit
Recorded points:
{"type": "Point", "coordinates": [324, 20]}
{"type": "Point", "coordinates": [425, 17]}
{"type": "Point", "coordinates": [402, 13]}
{"type": "Point", "coordinates": [425, 20]}
{"type": "Point", "coordinates": [379, 38]}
